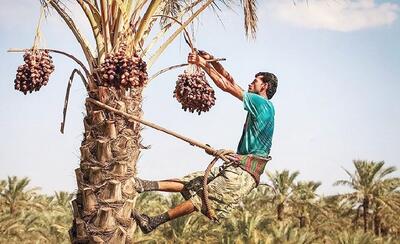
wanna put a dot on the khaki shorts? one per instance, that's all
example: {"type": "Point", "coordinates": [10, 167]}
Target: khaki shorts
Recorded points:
{"type": "Point", "coordinates": [226, 187]}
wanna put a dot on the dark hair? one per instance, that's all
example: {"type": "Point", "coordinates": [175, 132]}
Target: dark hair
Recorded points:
{"type": "Point", "coordinates": [271, 80]}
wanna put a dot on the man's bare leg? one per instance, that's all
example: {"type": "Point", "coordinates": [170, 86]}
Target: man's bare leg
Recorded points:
{"type": "Point", "coordinates": [164, 185]}
{"type": "Point", "coordinates": [170, 186]}
{"type": "Point", "coordinates": [182, 209]}
{"type": "Point", "coordinates": [148, 224]}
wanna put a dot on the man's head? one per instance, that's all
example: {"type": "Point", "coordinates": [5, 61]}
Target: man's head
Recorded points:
{"type": "Point", "coordinates": [264, 84]}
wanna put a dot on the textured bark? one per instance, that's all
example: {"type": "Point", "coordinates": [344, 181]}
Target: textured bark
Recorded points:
{"type": "Point", "coordinates": [279, 210]}
{"type": "Point", "coordinates": [356, 218]}
{"type": "Point", "coordinates": [302, 220]}
{"type": "Point", "coordinates": [109, 151]}
{"type": "Point", "coordinates": [365, 213]}
{"type": "Point", "coordinates": [385, 230]}
{"type": "Point", "coordinates": [377, 225]}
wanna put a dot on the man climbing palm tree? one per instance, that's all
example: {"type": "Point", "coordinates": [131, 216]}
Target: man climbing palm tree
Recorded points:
{"type": "Point", "coordinates": [229, 183]}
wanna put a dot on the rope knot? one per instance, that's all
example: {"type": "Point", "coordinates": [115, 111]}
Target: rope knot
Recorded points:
{"type": "Point", "coordinates": [223, 153]}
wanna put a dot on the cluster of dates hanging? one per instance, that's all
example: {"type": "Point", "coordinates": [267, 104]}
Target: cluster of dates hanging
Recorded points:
{"type": "Point", "coordinates": [122, 70]}
{"type": "Point", "coordinates": [35, 72]}
{"type": "Point", "coordinates": [193, 91]}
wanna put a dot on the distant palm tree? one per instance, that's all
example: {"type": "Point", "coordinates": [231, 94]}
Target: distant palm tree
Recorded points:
{"type": "Point", "coordinates": [347, 237]}
{"type": "Point", "coordinates": [284, 233]}
{"type": "Point", "coordinates": [16, 194]}
{"type": "Point", "coordinates": [282, 184]}
{"type": "Point", "coordinates": [304, 200]}
{"type": "Point", "coordinates": [21, 211]}
{"type": "Point", "coordinates": [11, 228]}
{"type": "Point", "coordinates": [371, 186]}
{"type": "Point", "coordinates": [46, 219]}
{"type": "Point", "coordinates": [60, 218]}
{"type": "Point", "coordinates": [246, 227]}
{"type": "Point", "coordinates": [63, 199]}
{"type": "Point", "coordinates": [3, 184]}
{"type": "Point", "coordinates": [260, 196]}
{"type": "Point", "coordinates": [386, 202]}
{"type": "Point", "coordinates": [331, 216]}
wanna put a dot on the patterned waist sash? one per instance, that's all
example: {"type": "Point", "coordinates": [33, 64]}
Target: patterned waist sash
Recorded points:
{"type": "Point", "coordinates": [253, 164]}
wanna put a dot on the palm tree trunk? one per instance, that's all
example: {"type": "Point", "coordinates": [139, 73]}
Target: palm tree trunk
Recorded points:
{"type": "Point", "coordinates": [377, 225]}
{"type": "Point", "coordinates": [279, 210]}
{"type": "Point", "coordinates": [385, 230]}
{"type": "Point", "coordinates": [355, 220]}
{"type": "Point", "coordinates": [12, 208]}
{"type": "Point", "coordinates": [302, 221]}
{"type": "Point", "coordinates": [365, 213]}
{"type": "Point", "coordinates": [109, 151]}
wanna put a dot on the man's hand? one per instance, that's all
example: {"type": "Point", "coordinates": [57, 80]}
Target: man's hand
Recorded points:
{"type": "Point", "coordinates": [216, 72]}
{"type": "Point", "coordinates": [194, 58]}
{"type": "Point", "coordinates": [205, 55]}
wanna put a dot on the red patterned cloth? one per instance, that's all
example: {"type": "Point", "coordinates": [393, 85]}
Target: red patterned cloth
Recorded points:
{"type": "Point", "coordinates": [253, 164]}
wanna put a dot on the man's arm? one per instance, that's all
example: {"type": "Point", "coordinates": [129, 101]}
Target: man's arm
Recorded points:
{"type": "Point", "coordinates": [217, 66]}
{"type": "Point", "coordinates": [222, 82]}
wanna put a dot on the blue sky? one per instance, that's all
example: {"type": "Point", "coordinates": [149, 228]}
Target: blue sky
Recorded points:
{"type": "Point", "coordinates": [338, 68]}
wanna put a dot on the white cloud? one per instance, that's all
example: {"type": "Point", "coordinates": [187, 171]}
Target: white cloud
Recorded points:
{"type": "Point", "coordinates": [336, 15]}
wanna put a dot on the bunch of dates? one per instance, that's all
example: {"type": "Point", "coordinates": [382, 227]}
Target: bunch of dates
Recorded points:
{"type": "Point", "coordinates": [122, 70]}
{"type": "Point", "coordinates": [193, 91]}
{"type": "Point", "coordinates": [35, 72]}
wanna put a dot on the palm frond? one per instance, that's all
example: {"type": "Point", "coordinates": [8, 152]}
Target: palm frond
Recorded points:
{"type": "Point", "coordinates": [94, 18]}
{"type": "Point", "coordinates": [171, 8]}
{"type": "Point", "coordinates": [250, 17]}
{"type": "Point", "coordinates": [161, 49]}
{"type": "Point", "coordinates": [146, 20]}
{"type": "Point", "coordinates": [386, 172]}
{"type": "Point", "coordinates": [77, 33]}
{"type": "Point", "coordinates": [343, 182]}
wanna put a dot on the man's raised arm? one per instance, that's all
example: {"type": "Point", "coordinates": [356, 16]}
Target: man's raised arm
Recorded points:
{"type": "Point", "coordinates": [217, 66]}
{"type": "Point", "coordinates": [221, 81]}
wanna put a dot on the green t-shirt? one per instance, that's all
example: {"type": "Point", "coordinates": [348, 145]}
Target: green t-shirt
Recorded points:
{"type": "Point", "coordinates": [259, 127]}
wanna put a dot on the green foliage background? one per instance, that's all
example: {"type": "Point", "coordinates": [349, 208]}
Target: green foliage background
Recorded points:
{"type": "Point", "coordinates": [282, 211]}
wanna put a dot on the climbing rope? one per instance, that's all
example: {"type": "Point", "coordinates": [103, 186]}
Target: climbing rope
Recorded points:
{"type": "Point", "coordinates": [218, 154]}
{"type": "Point", "coordinates": [192, 142]}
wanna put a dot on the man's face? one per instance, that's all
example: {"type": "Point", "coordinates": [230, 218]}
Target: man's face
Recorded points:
{"type": "Point", "coordinates": [257, 85]}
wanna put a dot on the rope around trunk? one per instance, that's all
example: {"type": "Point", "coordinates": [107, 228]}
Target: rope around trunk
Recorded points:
{"type": "Point", "coordinates": [218, 154]}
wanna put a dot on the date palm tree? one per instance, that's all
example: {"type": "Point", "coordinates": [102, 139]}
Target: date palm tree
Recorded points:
{"type": "Point", "coordinates": [356, 237]}
{"type": "Point", "coordinates": [22, 211]}
{"type": "Point", "coordinates": [371, 187]}
{"type": "Point", "coordinates": [16, 194]}
{"type": "Point", "coordinates": [248, 227]}
{"type": "Point", "coordinates": [281, 184]}
{"type": "Point", "coordinates": [111, 142]}
{"type": "Point", "coordinates": [289, 234]}
{"type": "Point", "coordinates": [386, 202]}
{"type": "Point", "coordinates": [3, 184]}
{"type": "Point", "coordinates": [304, 200]}
{"type": "Point", "coordinates": [332, 216]}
